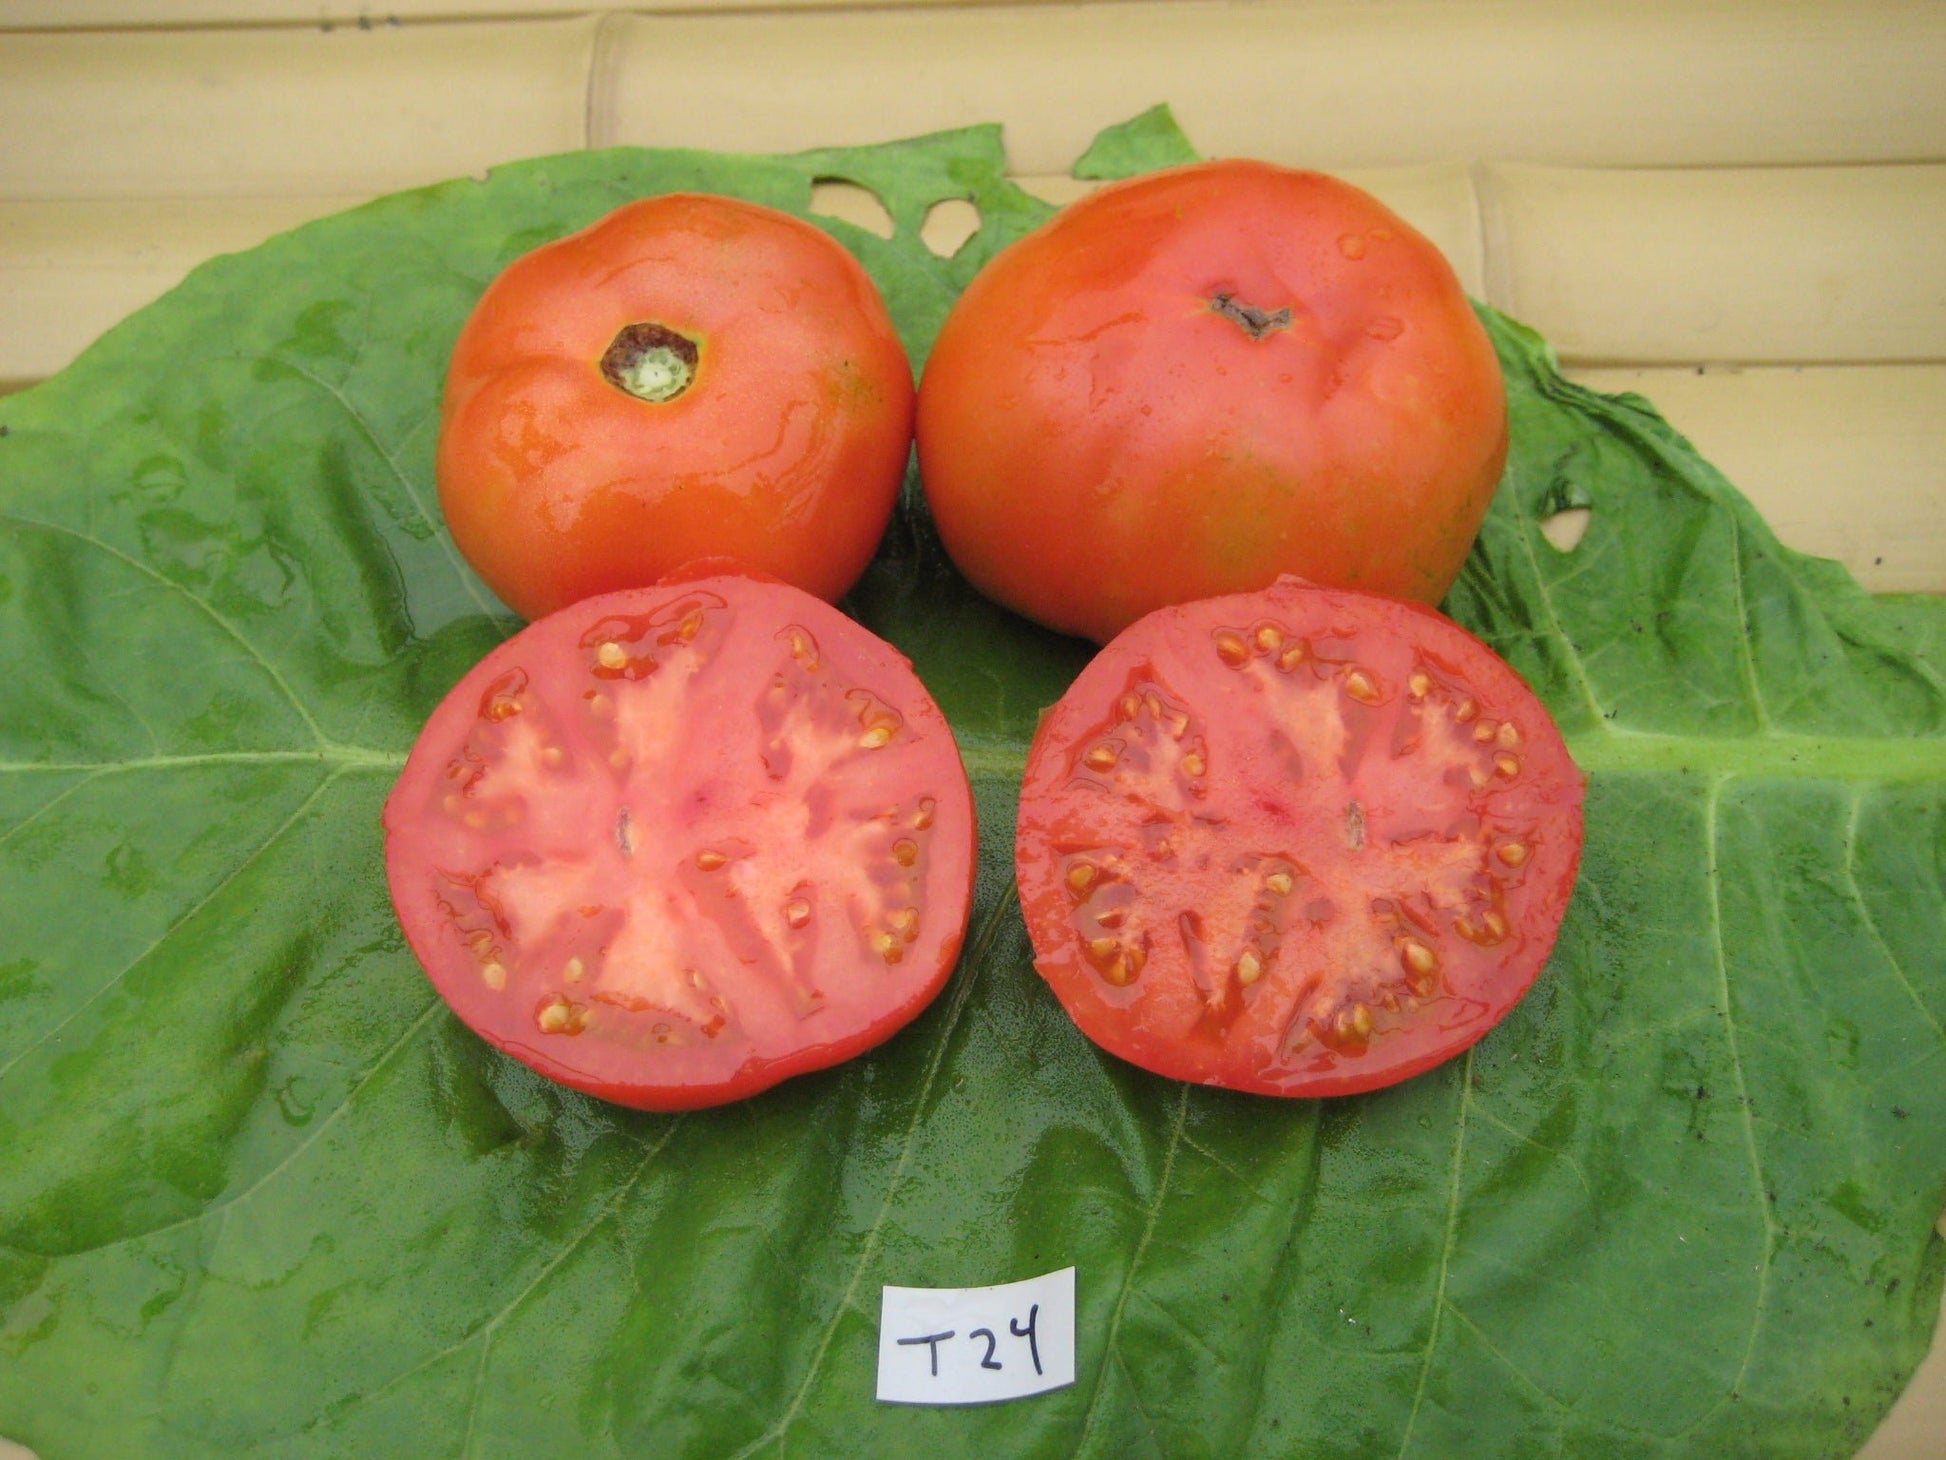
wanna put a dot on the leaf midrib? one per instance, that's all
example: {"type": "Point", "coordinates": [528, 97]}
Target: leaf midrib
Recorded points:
{"type": "Point", "coordinates": [1612, 749]}
{"type": "Point", "coordinates": [330, 756]}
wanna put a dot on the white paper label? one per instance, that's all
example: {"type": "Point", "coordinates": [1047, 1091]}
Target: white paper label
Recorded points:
{"type": "Point", "coordinates": [976, 1345]}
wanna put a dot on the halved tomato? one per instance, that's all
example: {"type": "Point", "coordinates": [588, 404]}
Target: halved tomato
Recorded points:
{"type": "Point", "coordinates": [672, 845]}
{"type": "Point", "coordinates": [1303, 841]}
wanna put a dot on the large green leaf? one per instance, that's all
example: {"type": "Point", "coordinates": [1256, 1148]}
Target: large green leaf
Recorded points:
{"type": "Point", "coordinates": [259, 1193]}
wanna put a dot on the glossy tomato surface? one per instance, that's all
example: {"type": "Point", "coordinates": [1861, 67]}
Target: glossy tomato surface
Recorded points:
{"type": "Point", "coordinates": [692, 376]}
{"type": "Point", "coordinates": [1304, 841]}
{"type": "Point", "coordinates": [673, 845]}
{"type": "Point", "coordinates": [1197, 381]}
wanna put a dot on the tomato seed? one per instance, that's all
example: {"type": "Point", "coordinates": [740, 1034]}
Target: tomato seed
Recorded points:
{"type": "Point", "coordinates": [1231, 648]}
{"type": "Point", "coordinates": [1295, 653]}
{"type": "Point", "coordinates": [710, 861]}
{"type": "Point", "coordinates": [1250, 967]}
{"type": "Point", "coordinates": [1269, 637]}
{"type": "Point", "coordinates": [923, 817]}
{"type": "Point", "coordinates": [1102, 757]}
{"type": "Point", "coordinates": [1279, 883]}
{"type": "Point", "coordinates": [573, 970]}
{"type": "Point", "coordinates": [875, 738]}
{"type": "Point", "coordinates": [611, 655]}
{"type": "Point", "coordinates": [1508, 765]}
{"type": "Point", "coordinates": [494, 975]}
{"type": "Point", "coordinates": [797, 912]}
{"type": "Point", "coordinates": [1417, 957]}
{"type": "Point", "coordinates": [1192, 764]}
{"type": "Point", "coordinates": [905, 851]}
{"type": "Point", "coordinates": [1081, 877]}
{"type": "Point", "coordinates": [1360, 687]}
{"type": "Point", "coordinates": [1512, 853]}
{"type": "Point", "coordinates": [1483, 732]}
{"type": "Point", "coordinates": [559, 1016]}
{"type": "Point", "coordinates": [1465, 710]}
{"type": "Point", "coordinates": [1420, 685]}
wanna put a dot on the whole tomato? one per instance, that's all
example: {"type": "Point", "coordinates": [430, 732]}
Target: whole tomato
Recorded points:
{"type": "Point", "coordinates": [1194, 382]}
{"type": "Point", "coordinates": [691, 377]}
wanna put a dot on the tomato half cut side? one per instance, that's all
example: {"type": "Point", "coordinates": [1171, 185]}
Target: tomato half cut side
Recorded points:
{"type": "Point", "coordinates": [673, 845]}
{"type": "Point", "coordinates": [1302, 841]}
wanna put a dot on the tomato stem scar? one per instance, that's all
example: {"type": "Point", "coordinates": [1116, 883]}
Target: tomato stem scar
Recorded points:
{"type": "Point", "coordinates": [1251, 320]}
{"type": "Point", "coordinates": [650, 362]}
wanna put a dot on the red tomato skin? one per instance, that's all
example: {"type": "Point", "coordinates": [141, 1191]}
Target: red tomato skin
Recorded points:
{"type": "Point", "coordinates": [423, 848]}
{"type": "Point", "coordinates": [1162, 1020]}
{"type": "Point", "coordinates": [1097, 440]}
{"type": "Point", "coordinates": [785, 452]}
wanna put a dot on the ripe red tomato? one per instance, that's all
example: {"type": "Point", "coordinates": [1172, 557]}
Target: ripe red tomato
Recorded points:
{"type": "Point", "coordinates": [672, 845]}
{"type": "Point", "coordinates": [1303, 841]}
{"type": "Point", "coordinates": [691, 377]}
{"type": "Point", "coordinates": [1194, 382]}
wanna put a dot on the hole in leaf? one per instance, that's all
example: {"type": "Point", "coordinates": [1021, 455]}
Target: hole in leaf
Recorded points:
{"type": "Point", "coordinates": [1565, 529]}
{"type": "Point", "coordinates": [837, 197]}
{"type": "Point", "coordinates": [949, 223]}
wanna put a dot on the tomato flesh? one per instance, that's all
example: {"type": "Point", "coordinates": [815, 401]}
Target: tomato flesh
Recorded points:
{"type": "Point", "coordinates": [670, 846]}
{"type": "Point", "coordinates": [1303, 841]}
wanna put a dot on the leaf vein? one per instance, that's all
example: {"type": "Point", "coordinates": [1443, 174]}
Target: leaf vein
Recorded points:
{"type": "Point", "coordinates": [1109, 1340]}
{"type": "Point", "coordinates": [972, 961]}
{"type": "Point", "coordinates": [1872, 929]}
{"type": "Point", "coordinates": [235, 635]}
{"type": "Point", "coordinates": [491, 1327]}
{"type": "Point", "coordinates": [1713, 877]}
{"type": "Point", "coordinates": [207, 898]}
{"type": "Point", "coordinates": [1446, 1246]}
{"type": "Point", "coordinates": [399, 474]}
